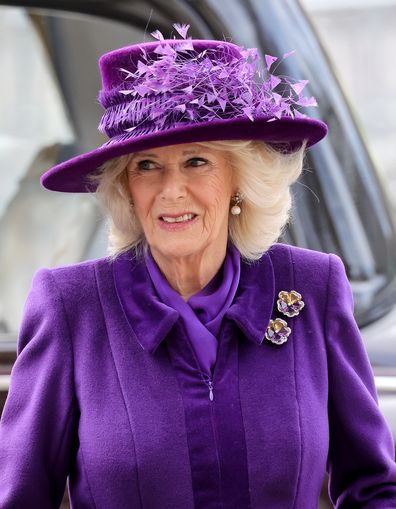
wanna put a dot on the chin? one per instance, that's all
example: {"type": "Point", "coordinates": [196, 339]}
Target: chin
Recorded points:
{"type": "Point", "coordinates": [180, 248]}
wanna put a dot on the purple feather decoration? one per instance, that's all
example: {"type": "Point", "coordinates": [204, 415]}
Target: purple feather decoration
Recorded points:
{"type": "Point", "coordinates": [181, 29]}
{"type": "Point", "coordinates": [180, 85]}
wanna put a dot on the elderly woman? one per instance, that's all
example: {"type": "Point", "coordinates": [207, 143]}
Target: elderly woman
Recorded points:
{"type": "Point", "coordinates": [201, 364]}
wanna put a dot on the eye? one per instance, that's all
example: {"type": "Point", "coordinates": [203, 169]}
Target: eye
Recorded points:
{"type": "Point", "coordinates": [145, 164]}
{"type": "Point", "coordinates": [197, 161]}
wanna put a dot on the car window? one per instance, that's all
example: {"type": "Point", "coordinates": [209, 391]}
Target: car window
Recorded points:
{"type": "Point", "coordinates": [38, 128]}
{"type": "Point", "coordinates": [360, 37]}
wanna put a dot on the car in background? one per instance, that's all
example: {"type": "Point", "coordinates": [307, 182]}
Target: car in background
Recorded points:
{"type": "Point", "coordinates": [49, 113]}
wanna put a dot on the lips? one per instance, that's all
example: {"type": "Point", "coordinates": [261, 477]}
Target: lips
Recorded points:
{"type": "Point", "coordinates": [177, 226]}
{"type": "Point", "coordinates": [179, 214]}
{"type": "Point", "coordinates": [179, 219]}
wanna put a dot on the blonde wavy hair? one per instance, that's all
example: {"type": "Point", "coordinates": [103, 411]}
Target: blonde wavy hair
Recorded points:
{"type": "Point", "coordinates": [262, 175]}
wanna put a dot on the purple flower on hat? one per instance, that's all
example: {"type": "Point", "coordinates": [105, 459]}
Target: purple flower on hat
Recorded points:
{"type": "Point", "coordinates": [176, 84]}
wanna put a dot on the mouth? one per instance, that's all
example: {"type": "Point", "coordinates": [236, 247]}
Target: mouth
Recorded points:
{"type": "Point", "coordinates": [177, 223]}
{"type": "Point", "coordinates": [178, 218]}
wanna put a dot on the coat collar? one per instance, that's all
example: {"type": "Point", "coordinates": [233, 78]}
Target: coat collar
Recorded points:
{"type": "Point", "coordinates": [151, 320]}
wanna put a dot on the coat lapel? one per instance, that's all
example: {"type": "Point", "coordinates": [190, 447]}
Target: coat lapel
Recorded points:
{"type": "Point", "coordinates": [148, 317]}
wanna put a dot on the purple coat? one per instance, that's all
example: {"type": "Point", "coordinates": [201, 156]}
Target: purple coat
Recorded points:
{"type": "Point", "coordinates": [107, 391]}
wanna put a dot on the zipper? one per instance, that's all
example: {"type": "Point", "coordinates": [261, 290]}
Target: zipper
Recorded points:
{"type": "Point", "coordinates": [208, 380]}
{"type": "Point", "coordinates": [205, 377]}
{"type": "Point", "coordinates": [210, 385]}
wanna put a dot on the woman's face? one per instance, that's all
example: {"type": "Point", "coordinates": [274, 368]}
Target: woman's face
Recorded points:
{"type": "Point", "coordinates": [168, 182]}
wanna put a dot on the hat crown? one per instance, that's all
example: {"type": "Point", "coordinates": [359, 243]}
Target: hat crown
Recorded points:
{"type": "Point", "coordinates": [173, 83]}
{"type": "Point", "coordinates": [128, 57]}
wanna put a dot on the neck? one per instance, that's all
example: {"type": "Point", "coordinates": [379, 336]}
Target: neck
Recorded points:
{"type": "Point", "coordinates": [187, 275]}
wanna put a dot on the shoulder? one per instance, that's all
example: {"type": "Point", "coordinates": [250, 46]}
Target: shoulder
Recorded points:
{"type": "Point", "coordinates": [79, 269]}
{"type": "Point", "coordinates": [308, 265]}
{"type": "Point", "coordinates": [299, 254]}
{"type": "Point", "coordinates": [65, 297]}
{"type": "Point", "coordinates": [72, 279]}
{"type": "Point", "coordinates": [53, 292]}
{"type": "Point", "coordinates": [310, 259]}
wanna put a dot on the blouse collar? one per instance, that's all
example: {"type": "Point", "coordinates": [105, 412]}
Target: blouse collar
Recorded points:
{"type": "Point", "coordinates": [151, 320]}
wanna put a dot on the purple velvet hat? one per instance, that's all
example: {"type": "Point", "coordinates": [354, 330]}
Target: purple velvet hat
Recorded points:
{"type": "Point", "coordinates": [181, 91]}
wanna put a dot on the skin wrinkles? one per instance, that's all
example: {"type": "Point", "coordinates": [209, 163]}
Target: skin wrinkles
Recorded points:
{"type": "Point", "coordinates": [176, 179]}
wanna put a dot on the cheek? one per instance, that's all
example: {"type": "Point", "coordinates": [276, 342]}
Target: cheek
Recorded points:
{"type": "Point", "coordinates": [141, 195]}
{"type": "Point", "coordinates": [220, 190]}
{"type": "Point", "coordinates": [135, 186]}
{"type": "Point", "coordinates": [217, 196]}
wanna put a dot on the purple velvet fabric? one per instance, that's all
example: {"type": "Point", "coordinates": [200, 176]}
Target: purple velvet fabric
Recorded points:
{"type": "Point", "coordinates": [203, 312]}
{"type": "Point", "coordinates": [111, 396]}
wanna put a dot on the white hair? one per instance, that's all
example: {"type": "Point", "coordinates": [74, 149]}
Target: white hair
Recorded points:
{"type": "Point", "coordinates": [262, 174]}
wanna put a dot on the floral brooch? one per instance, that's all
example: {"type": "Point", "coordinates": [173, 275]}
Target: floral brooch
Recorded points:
{"type": "Point", "coordinates": [277, 331]}
{"type": "Point", "coordinates": [289, 304]}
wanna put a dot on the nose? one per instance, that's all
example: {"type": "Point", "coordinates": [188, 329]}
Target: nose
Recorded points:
{"type": "Point", "coordinates": [173, 184]}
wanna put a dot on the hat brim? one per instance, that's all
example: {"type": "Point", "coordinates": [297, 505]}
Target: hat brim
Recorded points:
{"type": "Point", "coordinates": [71, 176]}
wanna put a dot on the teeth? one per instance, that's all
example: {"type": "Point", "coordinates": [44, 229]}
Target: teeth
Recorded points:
{"type": "Point", "coordinates": [179, 219]}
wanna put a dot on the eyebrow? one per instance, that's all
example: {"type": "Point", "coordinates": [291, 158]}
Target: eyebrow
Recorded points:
{"type": "Point", "coordinates": [185, 152]}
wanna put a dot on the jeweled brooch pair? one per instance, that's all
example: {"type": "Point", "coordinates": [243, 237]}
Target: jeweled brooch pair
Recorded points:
{"type": "Point", "coordinates": [289, 304]}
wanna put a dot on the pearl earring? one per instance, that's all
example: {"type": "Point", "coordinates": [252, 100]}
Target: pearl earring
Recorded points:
{"type": "Point", "coordinates": [236, 210]}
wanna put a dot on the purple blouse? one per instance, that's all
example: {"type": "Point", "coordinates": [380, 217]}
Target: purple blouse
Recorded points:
{"type": "Point", "coordinates": [203, 313]}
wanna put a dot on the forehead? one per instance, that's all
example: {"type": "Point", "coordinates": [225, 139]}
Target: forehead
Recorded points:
{"type": "Point", "coordinates": [182, 149]}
